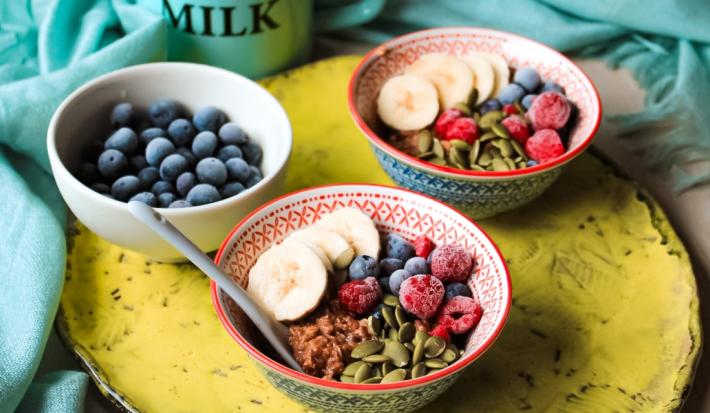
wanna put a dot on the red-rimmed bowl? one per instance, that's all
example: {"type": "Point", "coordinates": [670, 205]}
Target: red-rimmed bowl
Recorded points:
{"type": "Point", "coordinates": [393, 210]}
{"type": "Point", "coordinates": [479, 194]}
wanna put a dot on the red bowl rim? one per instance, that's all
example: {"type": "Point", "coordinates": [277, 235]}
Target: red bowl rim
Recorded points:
{"type": "Point", "coordinates": [381, 144]}
{"type": "Point", "coordinates": [262, 358]}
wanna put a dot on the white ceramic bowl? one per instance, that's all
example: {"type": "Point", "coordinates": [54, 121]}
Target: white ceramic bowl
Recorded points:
{"type": "Point", "coordinates": [83, 116]}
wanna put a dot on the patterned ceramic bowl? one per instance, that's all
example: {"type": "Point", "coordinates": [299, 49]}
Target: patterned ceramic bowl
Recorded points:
{"type": "Point", "coordinates": [393, 210]}
{"type": "Point", "coordinates": [479, 194]}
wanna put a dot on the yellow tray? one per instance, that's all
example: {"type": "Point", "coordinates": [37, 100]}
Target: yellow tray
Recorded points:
{"type": "Point", "coordinates": [605, 310]}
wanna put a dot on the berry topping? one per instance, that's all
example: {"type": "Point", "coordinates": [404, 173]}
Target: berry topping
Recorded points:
{"type": "Point", "coordinates": [511, 93]}
{"type": "Point", "coordinates": [363, 267]}
{"type": "Point", "coordinates": [457, 289]}
{"type": "Point", "coordinates": [451, 263]}
{"type": "Point", "coordinates": [416, 266]}
{"type": "Point", "coordinates": [398, 247]}
{"type": "Point", "coordinates": [421, 295]}
{"type": "Point", "coordinates": [360, 296]}
{"type": "Point", "coordinates": [489, 105]}
{"type": "Point", "coordinates": [445, 120]}
{"type": "Point", "coordinates": [464, 129]}
{"type": "Point", "coordinates": [396, 280]}
{"type": "Point", "coordinates": [510, 109]}
{"type": "Point", "coordinates": [549, 110]}
{"type": "Point", "coordinates": [423, 246]}
{"type": "Point", "coordinates": [545, 145]}
{"type": "Point", "coordinates": [527, 77]}
{"type": "Point", "coordinates": [390, 265]}
{"type": "Point", "coordinates": [517, 127]}
{"type": "Point", "coordinates": [460, 314]}
{"type": "Point", "coordinates": [442, 331]}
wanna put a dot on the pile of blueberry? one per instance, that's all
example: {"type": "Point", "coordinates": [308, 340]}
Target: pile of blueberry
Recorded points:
{"type": "Point", "coordinates": [171, 160]}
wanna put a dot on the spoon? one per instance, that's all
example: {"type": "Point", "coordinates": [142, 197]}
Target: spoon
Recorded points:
{"type": "Point", "coordinates": [275, 332]}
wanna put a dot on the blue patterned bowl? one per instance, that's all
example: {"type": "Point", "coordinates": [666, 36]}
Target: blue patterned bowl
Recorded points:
{"type": "Point", "coordinates": [478, 194]}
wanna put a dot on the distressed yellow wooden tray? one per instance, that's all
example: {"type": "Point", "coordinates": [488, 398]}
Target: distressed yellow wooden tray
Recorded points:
{"type": "Point", "coordinates": [604, 318]}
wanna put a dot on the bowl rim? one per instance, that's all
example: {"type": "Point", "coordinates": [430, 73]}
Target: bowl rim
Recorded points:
{"type": "Point", "coordinates": [282, 369]}
{"type": "Point", "coordinates": [59, 168]}
{"type": "Point", "coordinates": [380, 143]}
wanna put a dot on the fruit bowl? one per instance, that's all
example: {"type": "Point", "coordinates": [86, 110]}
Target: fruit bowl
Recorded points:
{"type": "Point", "coordinates": [477, 193]}
{"type": "Point", "coordinates": [80, 119]}
{"type": "Point", "coordinates": [393, 210]}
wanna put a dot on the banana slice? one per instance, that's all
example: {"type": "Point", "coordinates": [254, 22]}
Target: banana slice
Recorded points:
{"type": "Point", "coordinates": [329, 243]}
{"type": "Point", "coordinates": [451, 77]}
{"type": "Point", "coordinates": [407, 102]}
{"type": "Point", "coordinates": [321, 255]}
{"type": "Point", "coordinates": [356, 227]}
{"type": "Point", "coordinates": [500, 67]}
{"type": "Point", "coordinates": [288, 281]}
{"type": "Point", "coordinates": [484, 75]}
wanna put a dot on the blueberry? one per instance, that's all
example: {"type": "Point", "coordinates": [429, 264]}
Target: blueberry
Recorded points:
{"type": "Point", "coordinates": [122, 115]}
{"type": "Point", "coordinates": [252, 153]}
{"type": "Point", "coordinates": [238, 169]}
{"type": "Point", "coordinates": [157, 150]}
{"type": "Point", "coordinates": [551, 86]}
{"type": "Point", "coordinates": [181, 132]}
{"type": "Point", "coordinates": [231, 134]}
{"type": "Point", "coordinates": [180, 203]}
{"type": "Point", "coordinates": [172, 166]}
{"type": "Point", "coordinates": [528, 100]}
{"type": "Point", "coordinates": [528, 78]}
{"type": "Point", "coordinates": [489, 105]}
{"type": "Point", "coordinates": [137, 162]}
{"type": "Point", "coordinates": [416, 266]}
{"type": "Point", "coordinates": [125, 187]}
{"type": "Point", "coordinates": [211, 171]}
{"type": "Point", "coordinates": [531, 163]}
{"type": "Point", "coordinates": [511, 93]}
{"type": "Point", "coordinates": [149, 134]}
{"type": "Point", "coordinates": [396, 280]}
{"type": "Point", "coordinates": [146, 198]}
{"type": "Point", "coordinates": [457, 289]}
{"type": "Point", "coordinates": [390, 265]}
{"type": "Point", "coordinates": [209, 118]}
{"type": "Point", "coordinates": [185, 182]}
{"type": "Point", "coordinates": [188, 155]}
{"type": "Point", "coordinates": [161, 187]}
{"type": "Point", "coordinates": [363, 266]}
{"type": "Point", "coordinates": [398, 247]}
{"type": "Point", "coordinates": [149, 176]}
{"type": "Point", "coordinates": [88, 173]}
{"type": "Point", "coordinates": [384, 284]}
{"type": "Point", "coordinates": [92, 151]}
{"type": "Point", "coordinates": [165, 199]}
{"type": "Point", "coordinates": [205, 144]}
{"type": "Point", "coordinates": [228, 152]}
{"type": "Point", "coordinates": [164, 111]}
{"type": "Point", "coordinates": [378, 310]}
{"type": "Point", "coordinates": [231, 189]}
{"type": "Point", "coordinates": [124, 139]}
{"type": "Point", "coordinates": [100, 188]}
{"type": "Point", "coordinates": [253, 180]}
{"type": "Point", "coordinates": [111, 163]}
{"type": "Point", "coordinates": [202, 194]}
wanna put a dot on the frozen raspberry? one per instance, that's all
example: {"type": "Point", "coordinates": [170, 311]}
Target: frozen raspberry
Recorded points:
{"type": "Point", "coordinates": [361, 296]}
{"type": "Point", "coordinates": [441, 330]}
{"type": "Point", "coordinates": [423, 246]}
{"type": "Point", "coordinates": [460, 314]}
{"type": "Point", "coordinates": [545, 145]}
{"type": "Point", "coordinates": [517, 127]}
{"type": "Point", "coordinates": [464, 129]}
{"type": "Point", "coordinates": [510, 109]}
{"type": "Point", "coordinates": [421, 295]}
{"type": "Point", "coordinates": [445, 120]}
{"type": "Point", "coordinates": [451, 263]}
{"type": "Point", "coordinates": [549, 110]}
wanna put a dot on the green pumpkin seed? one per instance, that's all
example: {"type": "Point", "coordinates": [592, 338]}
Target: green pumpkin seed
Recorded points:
{"type": "Point", "coordinates": [410, 346]}
{"type": "Point", "coordinates": [406, 332]}
{"type": "Point", "coordinates": [418, 370]}
{"type": "Point", "coordinates": [472, 98]}
{"type": "Point", "coordinates": [374, 326]}
{"type": "Point", "coordinates": [477, 168]}
{"type": "Point", "coordinates": [438, 149]}
{"type": "Point", "coordinates": [449, 355]}
{"type": "Point", "coordinates": [400, 316]}
{"type": "Point", "coordinates": [424, 140]}
{"type": "Point", "coordinates": [519, 106]}
{"type": "Point", "coordinates": [376, 358]}
{"type": "Point", "coordinates": [420, 336]}
{"type": "Point", "coordinates": [434, 346]}
{"type": "Point", "coordinates": [510, 163]}
{"type": "Point", "coordinates": [352, 368]}
{"type": "Point", "coordinates": [383, 332]}
{"type": "Point", "coordinates": [506, 148]}
{"type": "Point", "coordinates": [393, 334]}
{"type": "Point", "coordinates": [453, 347]}
{"type": "Point", "coordinates": [376, 372]}
{"type": "Point", "coordinates": [463, 107]}
{"type": "Point", "coordinates": [489, 118]}
{"type": "Point", "coordinates": [499, 165]}
{"type": "Point", "coordinates": [487, 136]}
{"type": "Point", "coordinates": [518, 148]}
{"type": "Point", "coordinates": [457, 158]}
{"type": "Point", "coordinates": [500, 130]}
{"type": "Point", "coordinates": [372, 380]}
{"type": "Point", "coordinates": [477, 117]}
{"type": "Point", "coordinates": [390, 318]}
{"type": "Point", "coordinates": [431, 371]}
{"type": "Point", "coordinates": [366, 348]}
{"type": "Point", "coordinates": [462, 352]}
{"type": "Point", "coordinates": [459, 144]}
{"type": "Point", "coordinates": [473, 155]}
{"type": "Point", "coordinates": [435, 363]}
{"type": "Point", "coordinates": [485, 159]}
{"type": "Point", "coordinates": [397, 352]}
{"type": "Point", "coordinates": [386, 368]}
{"type": "Point", "coordinates": [390, 300]}
{"type": "Point", "coordinates": [394, 376]}
{"type": "Point", "coordinates": [347, 379]}
{"type": "Point", "coordinates": [426, 155]}
{"type": "Point", "coordinates": [522, 164]}
{"type": "Point", "coordinates": [418, 353]}
{"type": "Point", "coordinates": [437, 161]}
{"type": "Point", "coordinates": [363, 373]}
{"type": "Point", "coordinates": [495, 152]}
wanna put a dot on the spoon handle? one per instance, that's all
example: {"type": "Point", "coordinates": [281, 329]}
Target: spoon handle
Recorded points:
{"type": "Point", "coordinates": [275, 332]}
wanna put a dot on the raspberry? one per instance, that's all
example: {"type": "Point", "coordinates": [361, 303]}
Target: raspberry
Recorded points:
{"type": "Point", "coordinates": [460, 314]}
{"type": "Point", "coordinates": [361, 296]}
{"type": "Point", "coordinates": [445, 120]}
{"type": "Point", "coordinates": [451, 263]}
{"type": "Point", "coordinates": [421, 295]}
{"type": "Point", "coordinates": [423, 246]}
{"type": "Point", "coordinates": [545, 145]}
{"type": "Point", "coordinates": [464, 129]}
{"type": "Point", "coordinates": [549, 110]}
{"type": "Point", "coordinates": [510, 109]}
{"type": "Point", "coordinates": [517, 127]}
{"type": "Point", "coordinates": [441, 330]}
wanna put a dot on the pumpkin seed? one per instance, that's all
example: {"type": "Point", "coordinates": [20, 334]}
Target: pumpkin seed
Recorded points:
{"type": "Point", "coordinates": [383, 332]}
{"type": "Point", "coordinates": [418, 370]}
{"type": "Point", "coordinates": [372, 380]}
{"type": "Point", "coordinates": [410, 346]}
{"type": "Point", "coordinates": [522, 164]}
{"type": "Point", "coordinates": [477, 117]}
{"type": "Point", "coordinates": [397, 352]}
{"type": "Point", "coordinates": [438, 149]}
{"type": "Point", "coordinates": [489, 118]}
{"type": "Point", "coordinates": [510, 163]}
{"type": "Point", "coordinates": [424, 140]}
{"type": "Point", "coordinates": [352, 368]}
{"type": "Point", "coordinates": [499, 165]}
{"type": "Point", "coordinates": [463, 107]}
{"type": "Point", "coordinates": [376, 358]}
{"type": "Point", "coordinates": [400, 316]}
{"type": "Point", "coordinates": [363, 373]}
{"type": "Point", "coordinates": [376, 372]}
{"type": "Point", "coordinates": [459, 144]}
{"type": "Point", "coordinates": [390, 300]}
{"type": "Point", "coordinates": [485, 159]}
{"type": "Point", "coordinates": [519, 106]}
{"type": "Point", "coordinates": [418, 353]}
{"type": "Point", "coordinates": [500, 130]}
{"type": "Point", "coordinates": [453, 347]}
{"type": "Point", "coordinates": [433, 371]}
{"type": "Point", "coordinates": [347, 379]}
{"type": "Point", "coordinates": [495, 152]}
{"type": "Point", "coordinates": [374, 325]}
{"type": "Point", "coordinates": [420, 336]}
{"type": "Point", "coordinates": [390, 318]}
{"type": "Point", "coordinates": [462, 352]}
{"type": "Point", "coordinates": [457, 158]}
{"type": "Point", "coordinates": [518, 148]}
{"type": "Point", "coordinates": [435, 363]}
{"type": "Point", "coordinates": [472, 98]}
{"type": "Point", "coordinates": [426, 155]}
{"type": "Point", "coordinates": [386, 368]}
{"type": "Point", "coordinates": [487, 136]}
{"type": "Point", "coordinates": [366, 348]}
{"type": "Point", "coordinates": [473, 155]}
{"type": "Point", "coordinates": [434, 346]}
{"type": "Point", "coordinates": [406, 332]}
{"type": "Point", "coordinates": [506, 148]}
{"type": "Point", "coordinates": [448, 355]}
{"type": "Point", "coordinates": [394, 376]}
{"type": "Point", "coordinates": [393, 334]}
{"type": "Point", "coordinates": [437, 161]}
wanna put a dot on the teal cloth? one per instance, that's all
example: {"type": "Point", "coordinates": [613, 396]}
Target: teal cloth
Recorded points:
{"type": "Point", "coordinates": [49, 47]}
